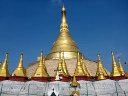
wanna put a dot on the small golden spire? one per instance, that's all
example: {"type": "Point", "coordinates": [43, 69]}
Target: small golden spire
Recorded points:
{"type": "Point", "coordinates": [121, 68]}
{"type": "Point", "coordinates": [100, 67]}
{"type": "Point", "coordinates": [20, 70]}
{"type": "Point", "coordinates": [101, 74]}
{"type": "Point", "coordinates": [79, 70]}
{"type": "Point", "coordinates": [4, 68]}
{"type": "Point", "coordinates": [64, 66]}
{"type": "Point", "coordinates": [75, 93]}
{"type": "Point", "coordinates": [60, 66]}
{"type": "Point", "coordinates": [0, 64]}
{"type": "Point", "coordinates": [41, 71]}
{"type": "Point", "coordinates": [44, 63]}
{"type": "Point", "coordinates": [84, 67]}
{"type": "Point", "coordinates": [74, 83]}
{"type": "Point", "coordinates": [115, 70]}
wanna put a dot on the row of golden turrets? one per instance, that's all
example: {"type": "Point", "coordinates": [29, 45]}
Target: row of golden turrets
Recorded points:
{"type": "Point", "coordinates": [81, 71]}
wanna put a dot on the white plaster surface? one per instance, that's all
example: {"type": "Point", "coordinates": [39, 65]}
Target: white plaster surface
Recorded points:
{"type": "Point", "coordinates": [87, 88]}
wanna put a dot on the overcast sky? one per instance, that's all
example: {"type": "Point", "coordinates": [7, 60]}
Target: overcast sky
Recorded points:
{"type": "Point", "coordinates": [32, 25]}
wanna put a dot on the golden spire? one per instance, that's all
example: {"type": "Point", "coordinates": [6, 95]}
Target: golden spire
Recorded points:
{"type": "Point", "coordinates": [20, 70]}
{"type": "Point", "coordinates": [41, 71]}
{"type": "Point", "coordinates": [44, 63]}
{"type": "Point", "coordinates": [115, 70]}
{"type": "Point", "coordinates": [4, 68]}
{"type": "Point", "coordinates": [64, 66]}
{"type": "Point", "coordinates": [79, 70]}
{"type": "Point", "coordinates": [60, 66]}
{"type": "Point", "coordinates": [64, 41]}
{"type": "Point", "coordinates": [121, 68]}
{"type": "Point", "coordinates": [100, 66]}
{"type": "Point", "coordinates": [74, 83]}
{"type": "Point", "coordinates": [84, 67]}
{"type": "Point", "coordinates": [101, 74]}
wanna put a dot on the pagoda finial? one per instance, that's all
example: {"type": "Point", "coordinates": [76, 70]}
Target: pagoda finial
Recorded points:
{"type": "Point", "coordinates": [84, 67]}
{"type": "Point", "coordinates": [64, 66]}
{"type": "Point", "coordinates": [41, 71]}
{"type": "Point", "coordinates": [79, 70]}
{"type": "Point", "coordinates": [100, 67]}
{"type": "Point", "coordinates": [64, 25]}
{"type": "Point", "coordinates": [74, 82]}
{"type": "Point", "coordinates": [4, 68]}
{"type": "Point", "coordinates": [20, 70]}
{"type": "Point", "coordinates": [60, 66]}
{"type": "Point", "coordinates": [121, 68]}
{"type": "Point", "coordinates": [101, 75]}
{"type": "Point", "coordinates": [115, 70]}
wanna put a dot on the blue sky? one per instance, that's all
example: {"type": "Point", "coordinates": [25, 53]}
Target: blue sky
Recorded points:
{"type": "Point", "coordinates": [32, 25]}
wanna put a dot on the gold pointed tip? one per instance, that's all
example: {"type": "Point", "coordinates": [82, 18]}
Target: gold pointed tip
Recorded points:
{"type": "Point", "coordinates": [22, 53]}
{"type": "Point", "coordinates": [63, 5]}
{"type": "Point", "coordinates": [41, 50]}
{"type": "Point", "coordinates": [7, 52]}
{"type": "Point", "coordinates": [98, 54]}
{"type": "Point", "coordinates": [111, 51]}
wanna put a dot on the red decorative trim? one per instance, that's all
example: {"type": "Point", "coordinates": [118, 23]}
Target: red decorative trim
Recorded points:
{"type": "Point", "coordinates": [3, 78]}
{"type": "Point", "coordinates": [118, 78]}
{"type": "Point", "coordinates": [107, 77]}
{"type": "Point", "coordinates": [88, 78]}
{"type": "Point", "coordinates": [78, 78]}
{"type": "Point", "coordinates": [18, 78]}
{"type": "Point", "coordinates": [45, 79]}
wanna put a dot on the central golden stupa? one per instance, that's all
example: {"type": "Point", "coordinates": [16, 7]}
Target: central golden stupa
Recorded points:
{"type": "Point", "coordinates": [64, 42]}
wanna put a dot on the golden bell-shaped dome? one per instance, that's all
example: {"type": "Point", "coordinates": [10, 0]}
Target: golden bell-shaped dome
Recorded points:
{"type": "Point", "coordinates": [64, 41]}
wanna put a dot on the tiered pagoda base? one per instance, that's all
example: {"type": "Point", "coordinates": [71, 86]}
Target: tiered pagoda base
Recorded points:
{"type": "Point", "coordinates": [62, 78]}
{"type": "Point", "coordinates": [4, 78]}
{"type": "Point", "coordinates": [118, 78]}
{"type": "Point", "coordinates": [44, 79]}
{"type": "Point", "coordinates": [18, 78]}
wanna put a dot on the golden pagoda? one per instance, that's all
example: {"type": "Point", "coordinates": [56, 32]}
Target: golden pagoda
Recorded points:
{"type": "Point", "coordinates": [4, 68]}
{"type": "Point", "coordinates": [100, 67]}
{"type": "Point", "coordinates": [64, 66]}
{"type": "Point", "coordinates": [64, 41]}
{"type": "Point", "coordinates": [74, 83]}
{"type": "Point", "coordinates": [20, 70]}
{"type": "Point", "coordinates": [85, 68]}
{"type": "Point", "coordinates": [115, 70]}
{"type": "Point", "coordinates": [79, 70]}
{"type": "Point", "coordinates": [41, 71]}
{"type": "Point", "coordinates": [100, 74]}
{"type": "Point", "coordinates": [60, 67]}
{"type": "Point", "coordinates": [121, 68]}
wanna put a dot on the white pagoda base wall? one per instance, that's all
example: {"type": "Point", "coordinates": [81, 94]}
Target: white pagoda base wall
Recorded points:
{"type": "Point", "coordinates": [87, 88]}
